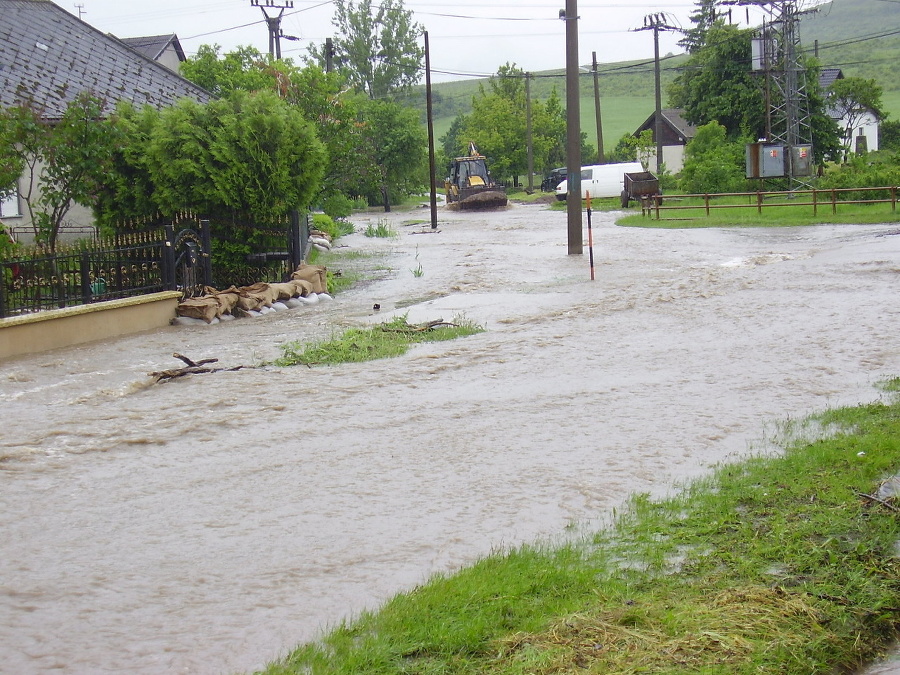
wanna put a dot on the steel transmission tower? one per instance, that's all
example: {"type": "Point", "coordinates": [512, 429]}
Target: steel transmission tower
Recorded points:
{"type": "Point", "coordinates": [776, 52]}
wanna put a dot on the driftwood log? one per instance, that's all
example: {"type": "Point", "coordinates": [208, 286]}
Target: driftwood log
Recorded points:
{"type": "Point", "coordinates": [191, 368]}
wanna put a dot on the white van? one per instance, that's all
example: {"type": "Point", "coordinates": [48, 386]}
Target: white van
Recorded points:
{"type": "Point", "coordinates": [601, 180]}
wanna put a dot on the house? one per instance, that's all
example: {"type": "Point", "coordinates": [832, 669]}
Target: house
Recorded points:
{"type": "Point", "coordinates": [164, 49]}
{"type": "Point", "coordinates": [676, 132]}
{"type": "Point", "coordinates": [49, 56]}
{"type": "Point", "coordinates": [864, 137]}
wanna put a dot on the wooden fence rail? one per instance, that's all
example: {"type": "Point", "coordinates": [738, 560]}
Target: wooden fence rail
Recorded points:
{"type": "Point", "coordinates": [757, 200]}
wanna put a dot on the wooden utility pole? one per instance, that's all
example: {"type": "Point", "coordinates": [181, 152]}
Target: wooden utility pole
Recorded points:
{"type": "Point", "coordinates": [601, 158]}
{"type": "Point", "coordinates": [528, 136]}
{"type": "Point", "coordinates": [573, 131]}
{"type": "Point", "coordinates": [431, 163]}
{"type": "Point", "coordinates": [657, 22]}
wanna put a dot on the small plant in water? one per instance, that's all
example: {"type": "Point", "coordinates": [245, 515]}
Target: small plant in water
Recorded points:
{"type": "Point", "coordinates": [418, 270]}
{"type": "Point", "coordinates": [382, 230]}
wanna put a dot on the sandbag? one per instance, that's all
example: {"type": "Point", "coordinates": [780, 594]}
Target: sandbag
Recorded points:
{"type": "Point", "coordinates": [286, 290]}
{"type": "Point", "coordinates": [304, 288]}
{"type": "Point", "coordinates": [314, 274]}
{"type": "Point", "coordinates": [205, 308]}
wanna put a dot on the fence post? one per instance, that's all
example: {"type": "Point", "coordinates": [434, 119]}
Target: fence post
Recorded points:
{"type": "Point", "coordinates": [706, 202]}
{"type": "Point", "coordinates": [168, 258]}
{"type": "Point", "coordinates": [759, 201]}
{"type": "Point", "coordinates": [3, 269]}
{"type": "Point", "coordinates": [206, 240]}
{"type": "Point", "coordinates": [295, 247]}
{"type": "Point", "coordinates": [85, 277]}
{"type": "Point", "coordinates": [833, 202]}
{"type": "Point", "coordinates": [815, 202]}
{"type": "Point", "coordinates": [304, 236]}
{"type": "Point", "coordinates": [894, 198]}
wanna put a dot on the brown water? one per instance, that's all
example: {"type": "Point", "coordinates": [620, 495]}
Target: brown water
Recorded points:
{"type": "Point", "coordinates": [209, 524]}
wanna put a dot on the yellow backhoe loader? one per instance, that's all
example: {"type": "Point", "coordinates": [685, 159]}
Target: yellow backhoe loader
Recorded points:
{"type": "Point", "coordinates": [470, 185]}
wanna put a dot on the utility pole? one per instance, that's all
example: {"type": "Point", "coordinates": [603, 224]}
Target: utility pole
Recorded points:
{"type": "Point", "coordinates": [329, 54]}
{"type": "Point", "coordinates": [431, 162]}
{"type": "Point", "coordinates": [273, 22]}
{"type": "Point", "coordinates": [528, 136]}
{"type": "Point", "coordinates": [601, 159]}
{"type": "Point", "coordinates": [657, 22]}
{"type": "Point", "coordinates": [573, 130]}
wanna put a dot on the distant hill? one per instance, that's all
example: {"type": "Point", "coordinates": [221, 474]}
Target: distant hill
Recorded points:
{"type": "Point", "coordinates": [861, 37]}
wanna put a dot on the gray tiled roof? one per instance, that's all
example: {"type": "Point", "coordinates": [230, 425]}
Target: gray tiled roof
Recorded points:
{"type": "Point", "coordinates": [48, 56]}
{"type": "Point", "coordinates": [828, 76]}
{"type": "Point", "coordinates": [152, 46]}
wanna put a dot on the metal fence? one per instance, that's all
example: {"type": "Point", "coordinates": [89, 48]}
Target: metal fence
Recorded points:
{"type": "Point", "coordinates": [817, 199]}
{"type": "Point", "coordinates": [177, 255]}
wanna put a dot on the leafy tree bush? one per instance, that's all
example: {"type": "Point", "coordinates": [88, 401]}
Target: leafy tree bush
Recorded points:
{"type": "Point", "coordinates": [377, 48]}
{"type": "Point", "coordinates": [63, 161]}
{"type": "Point", "coordinates": [337, 205]}
{"type": "Point", "coordinates": [712, 163]}
{"type": "Point", "coordinates": [889, 135]}
{"type": "Point", "coordinates": [876, 169]}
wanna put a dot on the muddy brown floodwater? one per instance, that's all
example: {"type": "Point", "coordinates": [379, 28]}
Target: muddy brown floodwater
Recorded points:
{"type": "Point", "coordinates": [209, 524]}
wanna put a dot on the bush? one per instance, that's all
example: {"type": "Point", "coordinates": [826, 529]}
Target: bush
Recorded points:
{"type": "Point", "coordinates": [713, 164]}
{"type": "Point", "coordinates": [876, 169]}
{"type": "Point", "coordinates": [337, 205]}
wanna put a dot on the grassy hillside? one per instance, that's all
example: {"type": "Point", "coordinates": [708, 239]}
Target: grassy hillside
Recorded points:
{"type": "Point", "coordinates": [854, 35]}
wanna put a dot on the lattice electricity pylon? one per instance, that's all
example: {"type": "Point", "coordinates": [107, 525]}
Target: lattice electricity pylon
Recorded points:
{"type": "Point", "coordinates": [777, 52]}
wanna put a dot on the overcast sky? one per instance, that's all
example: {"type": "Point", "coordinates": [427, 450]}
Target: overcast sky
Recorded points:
{"type": "Point", "coordinates": [467, 38]}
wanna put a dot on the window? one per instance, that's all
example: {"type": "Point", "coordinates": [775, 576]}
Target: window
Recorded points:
{"type": "Point", "coordinates": [9, 206]}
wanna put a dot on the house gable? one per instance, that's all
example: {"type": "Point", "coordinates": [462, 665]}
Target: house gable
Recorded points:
{"type": "Point", "coordinates": [164, 49]}
{"type": "Point", "coordinates": [675, 129]}
{"type": "Point", "coordinates": [49, 56]}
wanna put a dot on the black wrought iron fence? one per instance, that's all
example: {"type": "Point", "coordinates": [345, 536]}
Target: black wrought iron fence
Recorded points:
{"type": "Point", "coordinates": [247, 252]}
{"type": "Point", "coordinates": [178, 255]}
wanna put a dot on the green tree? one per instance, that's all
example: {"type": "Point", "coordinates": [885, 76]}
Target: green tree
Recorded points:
{"type": "Point", "coordinates": [397, 155]}
{"type": "Point", "coordinates": [712, 162]}
{"type": "Point", "coordinates": [718, 86]}
{"type": "Point", "coordinates": [127, 190]}
{"type": "Point", "coordinates": [62, 162]}
{"type": "Point", "coordinates": [853, 99]}
{"type": "Point", "coordinates": [498, 121]}
{"type": "Point", "coordinates": [703, 18]}
{"type": "Point", "coordinates": [889, 135]}
{"type": "Point", "coordinates": [249, 153]}
{"type": "Point", "coordinates": [245, 69]}
{"type": "Point", "coordinates": [377, 48]}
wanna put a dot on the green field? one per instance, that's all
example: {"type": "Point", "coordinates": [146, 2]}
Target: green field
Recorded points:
{"type": "Point", "coordinates": [850, 34]}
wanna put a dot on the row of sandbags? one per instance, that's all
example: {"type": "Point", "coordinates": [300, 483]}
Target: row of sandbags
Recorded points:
{"type": "Point", "coordinates": [307, 285]}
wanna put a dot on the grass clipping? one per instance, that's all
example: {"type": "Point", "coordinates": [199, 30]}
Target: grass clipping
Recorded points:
{"type": "Point", "coordinates": [385, 340]}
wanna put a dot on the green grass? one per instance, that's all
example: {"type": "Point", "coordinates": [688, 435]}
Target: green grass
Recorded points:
{"type": "Point", "coordinates": [778, 212]}
{"type": "Point", "coordinates": [382, 230]}
{"type": "Point", "coordinates": [777, 564]}
{"type": "Point", "coordinates": [386, 340]}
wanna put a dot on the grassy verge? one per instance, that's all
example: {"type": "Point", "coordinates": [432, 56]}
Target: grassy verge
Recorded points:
{"type": "Point", "coordinates": [777, 564]}
{"type": "Point", "coordinates": [772, 215]}
{"type": "Point", "coordinates": [366, 344]}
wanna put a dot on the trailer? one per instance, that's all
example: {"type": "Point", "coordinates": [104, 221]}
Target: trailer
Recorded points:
{"type": "Point", "coordinates": [639, 186]}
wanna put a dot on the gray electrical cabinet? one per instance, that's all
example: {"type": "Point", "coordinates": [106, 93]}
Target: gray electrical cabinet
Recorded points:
{"type": "Point", "coordinates": [802, 160]}
{"type": "Point", "coordinates": [765, 160]}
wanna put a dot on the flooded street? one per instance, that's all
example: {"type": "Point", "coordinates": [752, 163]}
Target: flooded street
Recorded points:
{"type": "Point", "coordinates": [209, 524]}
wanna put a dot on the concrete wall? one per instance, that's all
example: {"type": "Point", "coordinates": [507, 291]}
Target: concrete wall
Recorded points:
{"type": "Point", "coordinates": [56, 328]}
